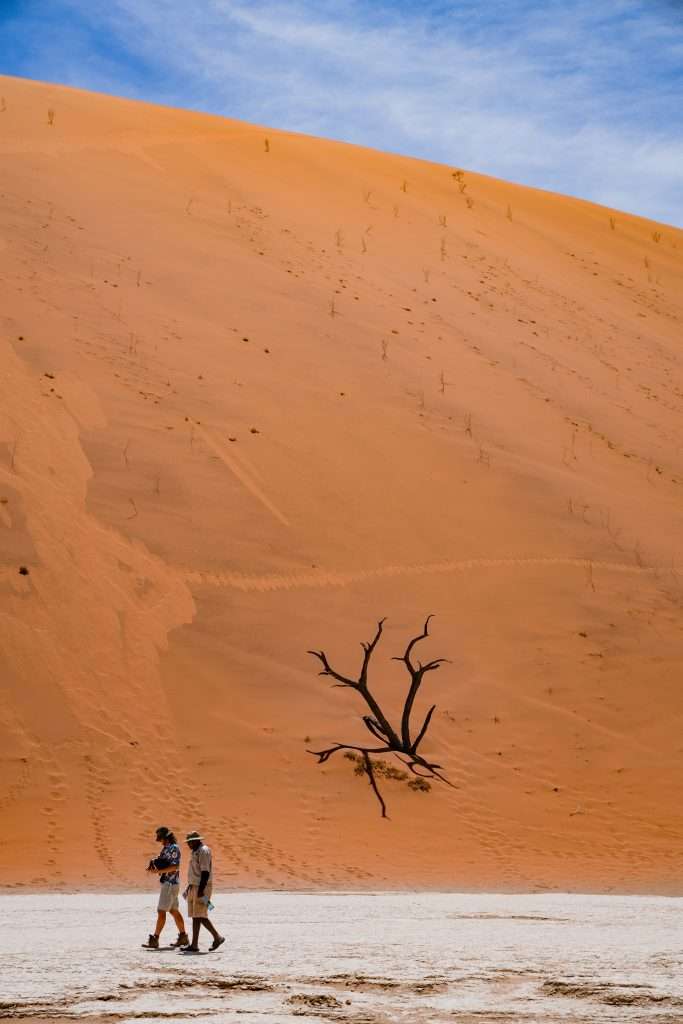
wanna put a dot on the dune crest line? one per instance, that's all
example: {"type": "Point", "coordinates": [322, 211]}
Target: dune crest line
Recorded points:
{"type": "Point", "coordinates": [327, 578]}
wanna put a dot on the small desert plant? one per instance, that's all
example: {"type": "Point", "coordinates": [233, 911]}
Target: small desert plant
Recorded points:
{"type": "Point", "coordinates": [420, 785]}
{"type": "Point", "coordinates": [50, 117]}
{"type": "Point", "coordinates": [380, 768]}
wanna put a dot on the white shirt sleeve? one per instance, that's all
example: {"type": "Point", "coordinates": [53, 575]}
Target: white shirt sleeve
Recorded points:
{"type": "Point", "coordinates": [204, 859]}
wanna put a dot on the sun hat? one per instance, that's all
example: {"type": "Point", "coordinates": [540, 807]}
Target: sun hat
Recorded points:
{"type": "Point", "coordinates": [193, 837]}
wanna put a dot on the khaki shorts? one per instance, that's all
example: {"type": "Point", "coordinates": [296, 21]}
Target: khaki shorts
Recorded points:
{"type": "Point", "coordinates": [195, 907]}
{"type": "Point", "coordinates": [168, 896]}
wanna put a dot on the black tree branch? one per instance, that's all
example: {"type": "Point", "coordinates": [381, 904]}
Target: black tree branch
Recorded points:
{"type": "Point", "coordinates": [378, 723]}
{"type": "Point", "coordinates": [373, 781]}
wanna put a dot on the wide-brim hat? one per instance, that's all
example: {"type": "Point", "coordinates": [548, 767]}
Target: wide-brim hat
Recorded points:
{"type": "Point", "coordinates": [193, 837]}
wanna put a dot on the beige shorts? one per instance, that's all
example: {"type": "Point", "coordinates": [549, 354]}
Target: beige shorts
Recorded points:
{"type": "Point", "coordinates": [168, 896]}
{"type": "Point", "coordinates": [195, 906]}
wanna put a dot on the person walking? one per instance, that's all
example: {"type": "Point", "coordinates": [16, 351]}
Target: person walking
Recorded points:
{"type": "Point", "coordinates": [198, 892]}
{"type": "Point", "coordinates": [167, 867]}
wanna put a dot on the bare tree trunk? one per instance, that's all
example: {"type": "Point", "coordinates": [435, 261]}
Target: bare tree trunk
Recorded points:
{"type": "Point", "coordinates": [399, 743]}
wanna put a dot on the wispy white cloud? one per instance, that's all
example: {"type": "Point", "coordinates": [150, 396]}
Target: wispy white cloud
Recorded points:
{"type": "Point", "coordinates": [583, 97]}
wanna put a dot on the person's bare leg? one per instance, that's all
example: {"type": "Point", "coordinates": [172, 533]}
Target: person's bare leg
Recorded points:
{"type": "Point", "coordinates": [161, 921]}
{"type": "Point", "coordinates": [207, 924]}
{"type": "Point", "coordinates": [178, 918]}
{"type": "Point", "coordinates": [196, 924]}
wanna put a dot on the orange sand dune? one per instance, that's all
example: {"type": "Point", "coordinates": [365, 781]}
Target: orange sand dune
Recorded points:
{"type": "Point", "coordinates": [256, 396]}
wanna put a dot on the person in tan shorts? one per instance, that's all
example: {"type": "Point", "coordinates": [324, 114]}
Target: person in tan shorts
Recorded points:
{"type": "Point", "coordinates": [167, 866]}
{"type": "Point", "coordinates": [198, 892]}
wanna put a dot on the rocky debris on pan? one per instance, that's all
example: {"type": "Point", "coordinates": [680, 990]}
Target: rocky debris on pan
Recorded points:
{"type": "Point", "coordinates": [611, 994]}
{"type": "Point", "coordinates": [313, 1004]}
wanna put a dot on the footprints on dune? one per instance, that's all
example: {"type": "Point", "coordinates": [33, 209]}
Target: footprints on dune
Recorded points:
{"type": "Point", "coordinates": [54, 815]}
{"type": "Point", "coordinates": [327, 578]}
{"type": "Point", "coordinates": [318, 866]}
{"type": "Point", "coordinates": [97, 782]}
{"type": "Point", "coordinates": [16, 777]}
{"type": "Point", "coordinates": [38, 773]}
{"type": "Point", "coordinates": [248, 857]}
{"type": "Point", "coordinates": [257, 860]}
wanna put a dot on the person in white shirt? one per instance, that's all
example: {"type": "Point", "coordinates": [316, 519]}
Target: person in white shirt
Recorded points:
{"type": "Point", "coordinates": [198, 892]}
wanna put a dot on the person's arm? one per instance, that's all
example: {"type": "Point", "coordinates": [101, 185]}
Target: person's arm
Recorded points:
{"type": "Point", "coordinates": [204, 865]}
{"type": "Point", "coordinates": [164, 864]}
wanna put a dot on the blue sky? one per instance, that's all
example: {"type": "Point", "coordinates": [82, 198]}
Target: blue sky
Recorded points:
{"type": "Point", "coordinates": [582, 96]}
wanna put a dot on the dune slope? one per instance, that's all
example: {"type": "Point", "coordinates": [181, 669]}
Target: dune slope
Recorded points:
{"type": "Point", "coordinates": [260, 390]}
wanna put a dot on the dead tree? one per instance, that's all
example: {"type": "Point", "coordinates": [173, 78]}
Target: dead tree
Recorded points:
{"type": "Point", "coordinates": [402, 742]}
